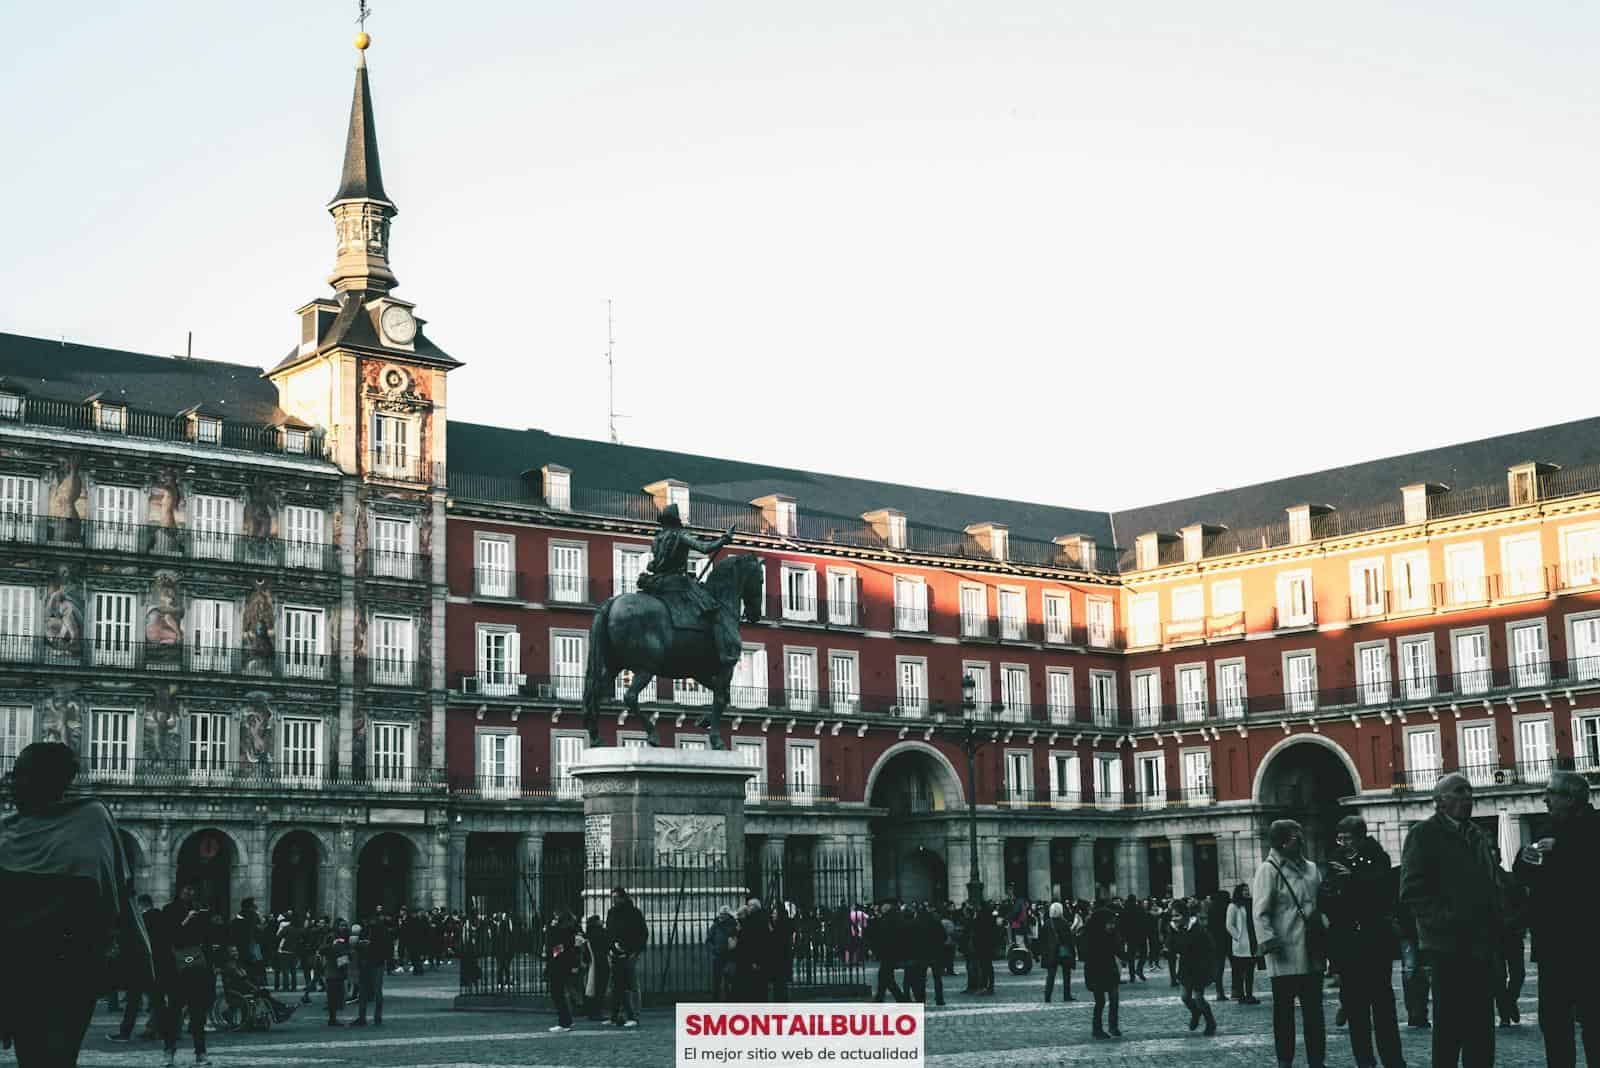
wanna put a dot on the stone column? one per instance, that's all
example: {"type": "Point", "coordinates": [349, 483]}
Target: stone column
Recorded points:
{"type": "Point", "coordinates": [530, 850]}
{"type": "Point", "coordinates": [441, 864]}
{"type": "Point", "coordinates": [1133, 867]}
{"type": "Point", "coordinates": [342, 887]}
{"type": "Point", "coordinates": [256, 866]}
{"type": "Point", "coordinates": [163, 866]}
{"type": "Point", "coordinates": [458, 867]}
{"type": "Point", "coordinates": [861, 858]}
{"type": "Point", "coordinates": [1083, 868]}
{"type": "Point", "coordinates": [1039, 869]}
{"type": "Point", "coordinates": [992, 855]}
{"type": "Point", "coordinates": [772, 853]}
{"type": "Point", "coordinates": [958, 864]}
{"type": "Point", "coordinates": [1183, 865]}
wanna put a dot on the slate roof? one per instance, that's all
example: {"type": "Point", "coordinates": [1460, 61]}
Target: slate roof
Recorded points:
{"type": "Point", "coordinates": [1375, 482]}
{"type": "Point", "coordinates": [72, 372]}
{"type": "Point", "coordinates": [362, 175]}
{"type": "Point", "coordinates": [351, 327]}
{"type": "Point", "coordinates": [499, 452]}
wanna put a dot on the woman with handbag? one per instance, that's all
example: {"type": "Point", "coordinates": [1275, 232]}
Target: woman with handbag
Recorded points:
{"type": "Point", "coordinates": [1242, 946]}
{"type": "Point", "coordinates": [1290, 935]}
{"type": "Point", "coordinates": [184, 971]}
{"type": "Point", "coordinates": [1059, 951]}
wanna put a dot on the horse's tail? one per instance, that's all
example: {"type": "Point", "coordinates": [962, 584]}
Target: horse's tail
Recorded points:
{"type": "Point", "coordinates": [595, 670]}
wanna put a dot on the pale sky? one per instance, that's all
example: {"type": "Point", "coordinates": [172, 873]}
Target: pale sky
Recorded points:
{"type": "Point", "coordinates": [1095, 254]}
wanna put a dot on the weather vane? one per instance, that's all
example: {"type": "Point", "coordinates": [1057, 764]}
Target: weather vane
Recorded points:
{"type": "Point", "coordinates": [362, 11]}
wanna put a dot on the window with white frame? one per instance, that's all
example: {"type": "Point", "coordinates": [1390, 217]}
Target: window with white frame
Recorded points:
{"type": "Point", "coordinates": [1192, 692]}
{"type": "Point", "coordinates": [1098, 610]}
{"type": "Point", "coordinates": [499, 764]}
{"type": "Point", "coordinates": [1529, 660]}
{"type": "Point", "coordinates": [392, 656]}
{"type": "Point", "coordinates": [302, 645]}
{"type": "Point", "coordinates": [499, 660]}
{"type": "Point", "coordinates": [799, 592]}
{"type": "Point", "coordinates": [843, 608]}
{"type": "Point", "coordinates": [558, 489]}
{"type": "Point", "coordinates": [1013, 615]}
{"type": "Point", "coordinates": [568, 653]}
{"type": "Point", "coordinates": [566, 749]}
{"type": "Point", "coordinates": [1372, 672]}
{"type": "Point", "coordinates": [897, 531]}
{"type": "Point", "coordinates": [391, 444]}
{"type": "Point", "coordinates": [1522, 565]}
{"type": "Point", "coordinates": [1188, 604]}
{"type": "Point", "coordinates": [1299, 526]}
{"type": "Point", "coordinates": [750, 678]}
{"type": "Point", "coordinates": [627, 563]}
{"type": "Point", "coordinates": [910, 604]}
{"type": "Point", "coordinates": [844, 682]}
{"type": "Point", "coordinates": [1580, 556]}
{"type": "Point", "coordinates": [1152, 771]}
{"type": "Point", "coordinates": [297, 442]}
{"type": "Point", "coordinates": [1227, 600]}
{"type": "Point", "coordinates": [1367, 595]}
{"type": "Point", "coordinates": [1144, 617]}
{"type": "Point", "coordinates": [1146, 697]}
{"type": "Point", "coordinates": [302, 536]}
{"type": "Point", "coordinates": [210, 634]}
{"type": "Point", "coordinates": [1535, 751]}
{"type": "Point", "coordinates": [911, 693]}
{"type": "Point", "coordinates": [10, 405]}
{"type": "Point", "coordinates": [1107, 780]}
{"type": "Point", "coordinates": [568, 571]}
{"type": "Point", "coordinates": [786, 517]}
{"type": "Point", "coordinates": [1057, 618]}
{"type": "Point", "coordinates": [391, 757]}
{"type": "Point", "coordinates": [19, 507]}
{"type": "Point", "coordinates": [1015, 697]}
{"type": "Point", "coordinates": [974, 612]}
{"type": "Point", "coordinates": [1412, 591]}
{"type": "Point", "coordinates": [1103, 697]}
{"type": "Point", "coordinates": [1477, 752]}
{"type": "Point", "coordinates": [1585, 742]}
{"type": "Point", "coordinates": [690, 692]}
{"type": "Point", "coordinates": [679, 495]}
{"type": "Point", "coordinates": [1019, 774]}
{"type": "Point", "coordinates": [18, 611]}
{"type": "Point", "coordinates": [1424, 764]}
{"type": "Point", "coordinates": [1196, 766]}
{"type": "Point", "coordinates": [753, 754]}
{"type": "Point", "coordinates": [111, 417]}
{"type": "Point", "coordinates": [999, 544]}
{"type": "Point", "coordinates": [800, 679]}
{"type": "Point", "coordinates": [1473, 675]}
{"type": "Point", "coordinates": [1059, 695]}
{"type": "Point", "coordinates": [16, 732]}
{"type": "Point", "coordinates": [1066, 780]}
{"type": "Point", "coordinates": [1145, 553]}
{"type": "Point", "coordinates": [1416, 667]}
{"type": "Point", "coordinates": [113, 743]}
{"type": "Point", "coordinates": [113, 629]}
{"type": "Point", "coordinates": [391, 547]}
{"type": "Point", "coordinates": [300, 748]}
{"type": "Point", "coordinates": [208, 742]}
{"type": "Point", "coordinates": [116, 509]}
{"type": "Point", "coordinates": [982, 686]}
{"type": "Point", "coordinates": [1463, 569]}
{"type": "Point", "coordinates": [1583, 646]}
{"type": "Point", "coordinates": [212, 522]}
{"type": "Point", "coordinates": [1295, 606]}
{"type": "Point", "coordinates": [1300, 681]}
{"type": "Point", "coordinates": [1231, 698]}
{"type": "Point", "coordinates": [494, 574]}
{"type": "Point", "coordinates": [802, 782]}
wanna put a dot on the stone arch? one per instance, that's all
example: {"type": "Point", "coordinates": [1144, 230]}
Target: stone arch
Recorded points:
{"type": "Point", "coordinates": [1295, 739]}
{"type": "Point", "coordinates": [389, 867]}
{"type": "Point", "coordinates": [221, 873]}
{"type": "Point", "coordinates": [299, 875]}
{"type": "Point", "coordinates": [950, 781]}
{"type": "Point", "coordinates": [324, 847]}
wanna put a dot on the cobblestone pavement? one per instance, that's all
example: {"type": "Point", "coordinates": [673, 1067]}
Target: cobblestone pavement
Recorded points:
{"type": "Point", "coordinates": [1012, 1029]}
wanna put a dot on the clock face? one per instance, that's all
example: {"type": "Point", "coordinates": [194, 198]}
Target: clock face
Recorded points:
{"type": "Point", "coordinates": [398, 325]}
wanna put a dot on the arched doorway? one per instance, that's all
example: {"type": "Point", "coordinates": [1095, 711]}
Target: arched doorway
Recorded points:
{"type": "Point", "coordinates": [1305, 780]}
{"type": "Point", "coordinates": [384, 874]}
{"type": "Point", "coordinates": [915, 786]}
{"type": "Point", "coordinates": [206, 861]}
{"type": "Point", "coordinates": [296, 874]}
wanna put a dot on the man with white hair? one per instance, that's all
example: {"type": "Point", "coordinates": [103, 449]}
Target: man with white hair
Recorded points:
{"type": "Point", "coordinates": [1560, 875]}
{"type": "Point", "coordinates": [1447, 880]}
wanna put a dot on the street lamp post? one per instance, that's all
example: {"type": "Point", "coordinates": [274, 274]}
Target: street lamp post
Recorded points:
{"type": "Point", "coordinates": [969, 742]}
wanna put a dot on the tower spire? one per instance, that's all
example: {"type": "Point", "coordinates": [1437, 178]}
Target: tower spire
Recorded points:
{"type": "Point", "coordinates": [361, 209]}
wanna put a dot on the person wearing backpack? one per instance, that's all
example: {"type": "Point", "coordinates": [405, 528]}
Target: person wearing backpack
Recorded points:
{"type": "Point", "coordinates": [1059, 950]}
{"type": "Point", "coordinates": [184, 970]}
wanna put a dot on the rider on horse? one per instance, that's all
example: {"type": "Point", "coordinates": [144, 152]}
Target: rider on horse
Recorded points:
{"type": "Point", "coordinates": [667, 577]}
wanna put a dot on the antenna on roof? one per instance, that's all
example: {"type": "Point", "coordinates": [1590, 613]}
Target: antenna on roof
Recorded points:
{"type": "Point", "coordinates": [611, 379]}
{"type": "Point", "coordinates": [188, 349]}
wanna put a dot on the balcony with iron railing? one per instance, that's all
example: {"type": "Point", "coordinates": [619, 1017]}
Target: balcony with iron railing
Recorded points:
{"type": "Point", "coordinates": [578, 591]}
{"type": "Point", "coordinates": [399, 464]}
{"type": "Point", "coordinates": [1519, 774]}
{"type": "Point", "coordinates": [1300, 618]}
{"type": "Point", "coordinates": [389, 564]}
{"type": "Point", "coordinates": [193, 657]}
{"type": "Point", "coordinates": [185, 543]}
{"type": "Point", "coordinates": [103, 767]}
{"type": "Point", "coordinates": [123, 422]}
{"type": "Point", "coordinates": [393, 671]}
{"type": "Point", "coordinates": [499, 584]}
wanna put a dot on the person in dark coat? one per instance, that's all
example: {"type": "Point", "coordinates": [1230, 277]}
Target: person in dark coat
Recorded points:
{"type": "Point", "coordinates": [720, 936]}
{"type": "Point", "coordinates": [1413, 972]}
{"type": "Point", "coordinates": [1216, 923]}
{"type": "Point", "coordinates": [1560, 873]}
{"type": "Point", "coordinates": [1513, 949]}
{"type": "Point", "coordinates": [925, 948]}
{"type": "Point", "coordinates": [1059, 951]}
{"type": "Point", "coordinates": [780, 949]}
{"type": "Point", "coordinates": [1447, 877]}
{"type": "Point", "coordinates": [752, 952]}
{"type": "Point", "coordinates": [561, 966]}
{"type": "Point", "coordinates": [1099, 945]}
{"type": "Point", "coordinates": [1133, 932]}
{"type": "Point", "coordinates": [1360, 910]}
{"type": "Point", "coordinates": [885, 937]}
{"type": "Point", "coordinates": [985, 935]}
{"type": "Point", "coordinates": [185, 971]}
{"type": "Point", "coordinates": [1197, 963]}
{"type": "Point", "coordinates": [626, 928]}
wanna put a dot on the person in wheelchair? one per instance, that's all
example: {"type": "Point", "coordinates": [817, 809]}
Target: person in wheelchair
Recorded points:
{"type": "Point", "coordinates": [246, 1005]}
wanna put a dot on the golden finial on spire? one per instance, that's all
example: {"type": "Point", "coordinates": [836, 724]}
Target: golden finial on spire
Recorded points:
{"type": "Point", "coordinates": [363, 38]}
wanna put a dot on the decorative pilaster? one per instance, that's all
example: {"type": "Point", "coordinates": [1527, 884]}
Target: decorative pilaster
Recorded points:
{"type": "Point", "coordinates": [1039, 869]}
{"type": "Point", "coordinates": [1133, 867]}
{"type": "Point", "coordinates": [457, 890]}
{"type": "Point", "coordinates": [1083, 868]}
{"type": "Point", "coordinates": [1183, 865]}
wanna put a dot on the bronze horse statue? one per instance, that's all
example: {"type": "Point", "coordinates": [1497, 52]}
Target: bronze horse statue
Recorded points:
{"type": "Point", "coordinates": [633, 632]}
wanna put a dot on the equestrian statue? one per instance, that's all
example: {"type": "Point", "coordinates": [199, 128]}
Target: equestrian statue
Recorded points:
{"type": "Point", "coordinates": [674, 627]}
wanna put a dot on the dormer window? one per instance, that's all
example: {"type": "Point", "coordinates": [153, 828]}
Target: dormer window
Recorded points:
{"type": "Point", "coordinates": [1415, 498]}
{"type": "Point", "coordinates": [296, 441]}
{"type": "Point", "coordinates": [1522, 482]}
{"type": "Point", "coordinates": [897, 532]}
{"type": "Point", "coordinates": [558, 487]}
{"type": "Point", "coordinates": [786, 515]}
{"type": "Point", "coordinates": [208, 430]}
{"type": "Point", "coordinates": [110, 417]}
{"type": "Point", "coordinates": [1299, 525]}
{"type": "Point", "coordinates": [990, 539]}
{"type": "Point", "coordinates": [679, 495]}
{"type": "Point", "coordinates": [1146, 552]}
{"type": "Point", "coordinates": [889, 525]}
{"type": "Point", "coordinates": [1193, 544]}
{"type": "Point", "coordinates": [999, 544]}
{"type": "Point", "coordinates": [671, 491]}
{"type": "Point", "coordinates": [10, 406]}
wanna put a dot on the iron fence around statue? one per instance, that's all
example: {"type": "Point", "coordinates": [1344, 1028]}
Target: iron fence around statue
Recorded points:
{"type": "Point", "coordinates": [510, 907]}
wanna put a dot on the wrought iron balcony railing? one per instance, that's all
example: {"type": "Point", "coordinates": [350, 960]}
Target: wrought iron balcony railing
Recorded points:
{"type": "Point", "coordinates": [193, 656]}
{"type": "Point", "coordinates": [187, 543]}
